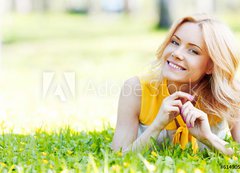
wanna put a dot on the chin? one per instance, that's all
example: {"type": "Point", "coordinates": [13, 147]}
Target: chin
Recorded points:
{"type": "Point", "coordinates": [174, 78]}
{"type": "Point", "coordinates": [169, 76]}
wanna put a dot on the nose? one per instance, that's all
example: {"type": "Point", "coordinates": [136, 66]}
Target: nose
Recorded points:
{"type": "Point", "coordinates": [178, 53]}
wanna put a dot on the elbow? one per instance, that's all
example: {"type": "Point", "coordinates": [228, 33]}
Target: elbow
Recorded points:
{"type": "Point", "coordinates": [229, 152]}
{"type": "Point", "coordinates": [115, 147]}
{"type": "Point", "coordinates": [120, 149]}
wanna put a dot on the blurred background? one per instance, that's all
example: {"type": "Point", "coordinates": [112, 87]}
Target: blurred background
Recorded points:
{"type": "Point", "coordinates": [63, 62]}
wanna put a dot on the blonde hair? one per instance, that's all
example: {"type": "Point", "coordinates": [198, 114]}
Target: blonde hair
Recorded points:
{"type": "Point", "coordinates": [219, 92]}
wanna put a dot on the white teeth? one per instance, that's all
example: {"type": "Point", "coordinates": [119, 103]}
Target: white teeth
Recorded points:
{"type": "Point", "coordinates": [175, 66]}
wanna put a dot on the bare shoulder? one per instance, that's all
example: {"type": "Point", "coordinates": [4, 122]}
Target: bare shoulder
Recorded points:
{"type": "Point", "coordinates": [131, 94]}
{"type": "Point", "coordinates": [134, 85]}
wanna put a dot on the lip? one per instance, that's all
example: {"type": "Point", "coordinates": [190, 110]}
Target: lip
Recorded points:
{"type": "Point", "coordinates": [176, 64]}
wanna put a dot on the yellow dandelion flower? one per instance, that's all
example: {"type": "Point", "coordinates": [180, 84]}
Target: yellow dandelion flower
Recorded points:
{"type": "Point", "coordinates": [227, 158]}
{"type": "Point", "coordinates": [197, 170]}
{"type": "Point", "coordinates": [234, 158]}
{"type": "Point", "coordinates": [44, 154]}
{"type": "Point", "coordinates": [51, 166]}
{"type": "Point", "coordinates": [116, 168]}
{"type": "Point", "coordinates": [107, 138]}
{"type": "Point", "coordinates": [12, 167]}
{"type": "Point", "coordinates": [154, 153]}
{"type": "Point", "coordinates": [119, 154]}
{"type": "Point", "coordinates": [3, 164]}
{"type": "Point", "coordinates": [180, 171]}
{"type": "Point", "coordinates": [125, 164]}
{"type": "Point", "coordinates": [196, 157]}
{"type": "Point", "coordinates": [69, 152]}
{"type": "Point", "coordinates": [45, 161]}
{"type": "Point", "coordinates": [203, 162]}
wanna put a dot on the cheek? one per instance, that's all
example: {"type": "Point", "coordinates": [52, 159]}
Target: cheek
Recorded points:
{"type": "Point", "coordinates": [199, 67]}
{"type": "Point", "coordinates": [167, 52]}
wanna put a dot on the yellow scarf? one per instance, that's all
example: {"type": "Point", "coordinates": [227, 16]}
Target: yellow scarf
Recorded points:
{"type": "Point", "coordinates": [182, 135]}
{"type": "Point", "coordinates": [151, 101]}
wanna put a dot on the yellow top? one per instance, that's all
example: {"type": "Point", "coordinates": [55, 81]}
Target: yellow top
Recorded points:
{"type": "Point", "coordinates": [152, 97]}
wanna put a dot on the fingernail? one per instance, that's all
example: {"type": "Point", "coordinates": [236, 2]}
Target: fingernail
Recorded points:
{"type": "Point", "coordinates": [191, 97]}
{"type": "Point", "coordinates": [189, 126]}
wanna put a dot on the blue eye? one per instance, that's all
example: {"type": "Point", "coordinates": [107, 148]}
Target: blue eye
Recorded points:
{"type": "Point", "coordinates": [194, 51]}
{"type": "Point", "coordinates": [174, 42]}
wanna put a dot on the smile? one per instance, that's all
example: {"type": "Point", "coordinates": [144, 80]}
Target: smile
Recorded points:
{"type": "Point", "coordinates": [174, 66]}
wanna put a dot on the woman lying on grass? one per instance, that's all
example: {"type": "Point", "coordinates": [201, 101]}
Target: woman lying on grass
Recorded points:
{"type": "Point", "coordinates": [191, 93]}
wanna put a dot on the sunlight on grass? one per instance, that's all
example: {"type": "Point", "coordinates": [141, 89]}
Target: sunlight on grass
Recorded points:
{"type": "Point", "coordinates": [67, 150]}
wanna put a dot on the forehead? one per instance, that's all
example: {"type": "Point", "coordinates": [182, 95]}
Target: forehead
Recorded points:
{"type": "Point", "coordinates": [190, 33]}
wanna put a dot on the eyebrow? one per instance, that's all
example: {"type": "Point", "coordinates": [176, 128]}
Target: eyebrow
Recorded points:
{"type": "Point", "coordinates": [189, 43]}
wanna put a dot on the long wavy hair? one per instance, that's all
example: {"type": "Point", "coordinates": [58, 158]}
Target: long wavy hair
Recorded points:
{"type": "Point", "coordinates": [220, 91]}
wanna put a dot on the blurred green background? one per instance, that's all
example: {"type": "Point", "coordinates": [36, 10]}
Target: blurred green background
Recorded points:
{"type": "Point", "coordinates": [102, 42]}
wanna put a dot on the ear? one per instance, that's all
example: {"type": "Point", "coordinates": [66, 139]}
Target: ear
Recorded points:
{"type": "Point", "coordinates": [209, 67]}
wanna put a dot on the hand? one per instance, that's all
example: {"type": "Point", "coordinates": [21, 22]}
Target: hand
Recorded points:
{"type": "Point", "coordinates": [170, 108]}
{"type": "Point", "coordinates": [196, 120]}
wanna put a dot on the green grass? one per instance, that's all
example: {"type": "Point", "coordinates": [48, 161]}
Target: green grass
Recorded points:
{"type": "Point", "coordinates": [73, 151]}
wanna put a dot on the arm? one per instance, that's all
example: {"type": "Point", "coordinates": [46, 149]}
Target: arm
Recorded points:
{"type": "Point", "coordinates": [214, 142]}
{"type": "Point", "coordinates": [199, 127]}
{"type": "Point", "coordinates": [220, 144]}
{"type": "Point", "coordinates": [128, 121]}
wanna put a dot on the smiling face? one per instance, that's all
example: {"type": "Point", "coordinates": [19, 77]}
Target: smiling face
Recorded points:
{"type": "Point", "coordinates": [186, 58]}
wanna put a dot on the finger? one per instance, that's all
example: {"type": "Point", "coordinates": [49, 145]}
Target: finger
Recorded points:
{"type": "Point", "coordinates": [186, 105]}
{"type": "Point", "coordinates": [177, 103]}
{"type": "Point", "coordinates": [174, 111]}
{"type": "Point", "coordinates": [186, 114]}
{"type": "Point", "coordinates": [193, 119]}
{"type": "Point", "coordinates": [180, 94]}
{"type": "Point", "coordinates": [202, 116]}
{"type": "Point", "coordinates": [188, 117]}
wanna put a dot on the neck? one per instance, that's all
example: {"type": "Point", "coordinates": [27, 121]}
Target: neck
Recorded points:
{"type": "Point", "coordinates": [184, 87]}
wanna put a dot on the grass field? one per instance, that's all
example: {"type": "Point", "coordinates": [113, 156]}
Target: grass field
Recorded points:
{"type": "Point", "coordinates": [67, 150]}
{"type": "Point", "coordinates": [45, 134]}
